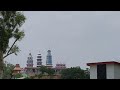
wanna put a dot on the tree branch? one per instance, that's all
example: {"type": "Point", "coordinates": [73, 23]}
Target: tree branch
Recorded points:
{"type": "Point", "coordinates": [14, 27]}
{"type": "Point", "coordinates": [12, 46]}
{"type": "Point", "coordinates": [8, 53]}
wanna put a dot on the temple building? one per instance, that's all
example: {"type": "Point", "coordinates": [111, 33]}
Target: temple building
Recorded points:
{"type": "Point", "coordinates": [49, 59]}
{"type": "Point", "coordinates": [39, 60]}
{"type": "Point", "coordinates": [17, 69]}
{"type": "Point", "coordinates": [59, 67]}
{"type": "Point", "coordinates": [30, 61]}
{"type": "Point", "coordinates": [31, 71]}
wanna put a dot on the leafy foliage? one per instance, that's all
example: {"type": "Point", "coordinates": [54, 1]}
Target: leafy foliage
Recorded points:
{"type": "Point", "coordinates": [27, 78]}
{"type": "Point", "coordinates": [39, 76]}
{"type": "Point", "coordinates": [43, 69]}
{"type": "Point", "coordinates": [73, 73]}
{"type": "Point", "coordinates": [46, 70]}
{"type": "Point", "coordinates": [50, 71]}
{"type": "Point", "coordinates": [10, 23]}
{"type": "Point", "coordinates": [8, 70]}
{"type": "Point", "coordinates": [18, 75]}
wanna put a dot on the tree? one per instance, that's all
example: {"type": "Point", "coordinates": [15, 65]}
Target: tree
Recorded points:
{"type": "Point", "coordinates": [27, 78]}
{"type": "Point", "coordinates": [50, 72]}
{"type": "Point", "coordinates": [73, 73]}
{"type": "Point", "coordinates": [39, 76]}
{"type": "Point", "coordinates": [43, 69]}
{"type": "Point", "coordinates": [87, 73]}
{"type": "Point", "coordinates": [18, 75]}
{"type": "Point", "coordinates": [8, 71]}
{"type": "Point", "coordinates": [10, 24]}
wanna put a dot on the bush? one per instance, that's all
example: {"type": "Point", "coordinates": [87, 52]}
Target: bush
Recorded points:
{"type": "Point", "coordinates": [74, 73]}
{"type": "Point", "coordinates": [18, 75]}
{"type": "Point", "coordinates": [27, 78]}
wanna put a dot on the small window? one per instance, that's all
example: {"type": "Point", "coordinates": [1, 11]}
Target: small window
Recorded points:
{"type": "Point", "coordinates": [39, 59]}
{"type": "Point", "coordinates": [38, 56]}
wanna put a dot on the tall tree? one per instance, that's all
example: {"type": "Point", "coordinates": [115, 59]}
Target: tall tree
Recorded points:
{"type": "Point", "coordinates": [10, 23]}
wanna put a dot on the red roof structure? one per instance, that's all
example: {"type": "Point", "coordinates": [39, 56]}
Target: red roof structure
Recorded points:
{"type": "Point", "coordinates": [17, 68]}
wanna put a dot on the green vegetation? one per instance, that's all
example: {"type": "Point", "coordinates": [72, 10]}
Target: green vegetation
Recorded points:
{"type": "Point", "coordinates": [39, 76]}
{"type": "Point", "coordinates": [19, 75]}
{"type": "Point", "coordinates": [43, 69]}
{"type": "Point", "coordinates": [69, 73]}
{"type": "Point", "coordinates": [50, 72]}
{"type": "Point", "coordinates": [10, 24]}
{"type": "Point", "coordinates": [74, 73]}
{"type": "Point", "coordinates": [27, 78]}
{"type": "Point", "coordinates": [7, 71]}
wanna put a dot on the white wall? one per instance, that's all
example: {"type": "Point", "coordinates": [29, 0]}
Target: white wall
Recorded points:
{"type": "Point", "coordinates": [110, 71]}
{"type": "Point", "coordinates": [93, 72]}
{"type": "Point", "coordinates": [116, 71]}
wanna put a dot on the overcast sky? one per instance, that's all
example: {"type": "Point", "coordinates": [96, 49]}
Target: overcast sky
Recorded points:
{"type": "Point", "coordinates": [74, 37]}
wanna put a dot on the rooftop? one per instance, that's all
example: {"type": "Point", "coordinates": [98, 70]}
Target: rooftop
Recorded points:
{"type": "Point", "coordinates": [107, 62]}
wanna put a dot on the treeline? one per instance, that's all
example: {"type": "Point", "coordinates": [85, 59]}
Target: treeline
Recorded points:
{"type": "Point", "coordinates": [75, 73]}
{"type": "Point", "coordinates": [47, 73]}
{"type": "Point", "coordinates": [68, 73]}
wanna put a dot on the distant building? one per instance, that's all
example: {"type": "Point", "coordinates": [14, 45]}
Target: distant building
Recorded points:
{"type": "Point", "coordinates": [17, 69]}
{"type": "Point", "coordinates": [30, 70]}
{"type": "Point", "coordinates": [22, 70]}
{"type": "Point", "coordinates": [49, 59]}
{"type": "Point", "coordinates": [30, 60]}
{"type": "Point", "coordinates": [59, 67]}
{"type": "Point", "coordinates": [39, 60]}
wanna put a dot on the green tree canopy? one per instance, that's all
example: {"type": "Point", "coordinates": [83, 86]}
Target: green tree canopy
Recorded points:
{"type": "Point", "coordinates": [73, 73]}
{"type": "Point", "coordinates": [19, 75]}
{"type": "Point", "coordinates": [8, 71]}
{"type": "Point", "coordinates": [50, 71]}
{"type": "Point", "coordinates": [10, 28]}
{"type": "Point", "coordinates": [43, 69]}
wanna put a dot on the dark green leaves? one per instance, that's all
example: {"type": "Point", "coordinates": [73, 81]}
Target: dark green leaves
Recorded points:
{"type": "Point", "coordinates": [74, 73]}
{"type": "Point", "coordinates": [8, 70]}
{"type": "Point", "coordinates": [18, 34]}
{"type": "Point", "coordinates": [10, 23]}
